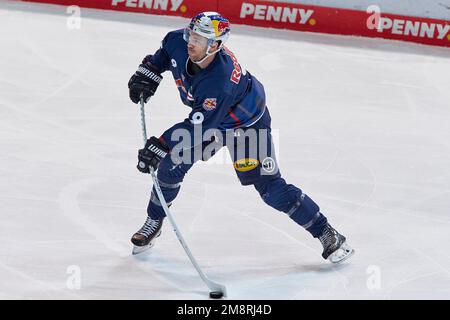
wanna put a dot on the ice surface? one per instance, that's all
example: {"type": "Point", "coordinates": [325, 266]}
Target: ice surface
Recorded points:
{"type": "Point", "coordinates": [363, 127]}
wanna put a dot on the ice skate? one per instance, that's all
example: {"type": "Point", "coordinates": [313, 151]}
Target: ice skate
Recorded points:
{"type": "Point", "coordinates": [144, 239]}
{"type": "Point", "coordinates": [334, 245]}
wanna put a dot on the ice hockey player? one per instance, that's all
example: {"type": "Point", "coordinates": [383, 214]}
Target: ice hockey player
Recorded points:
{"type": "Point", "coordinates": [228, 109]}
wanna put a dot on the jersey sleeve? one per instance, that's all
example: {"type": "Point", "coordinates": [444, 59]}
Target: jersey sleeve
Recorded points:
{"type": "Point", "coordinates": [160, 59]}
{"type": "Point", "coordinates": [210, 107]}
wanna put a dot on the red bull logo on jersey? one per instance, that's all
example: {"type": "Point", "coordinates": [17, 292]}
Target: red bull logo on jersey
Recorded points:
{"type": "Point", "coordinates": [210, 104]}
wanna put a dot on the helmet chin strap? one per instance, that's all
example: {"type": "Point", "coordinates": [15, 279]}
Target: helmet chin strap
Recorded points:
{"type": "Point", "coordinates": [207, 54]}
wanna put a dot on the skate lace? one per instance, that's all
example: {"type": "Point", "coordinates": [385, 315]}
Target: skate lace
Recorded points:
{"type": "Point", "coordinates": [149, 227]}
{"type": "Point", "coordinates": [328, 237]}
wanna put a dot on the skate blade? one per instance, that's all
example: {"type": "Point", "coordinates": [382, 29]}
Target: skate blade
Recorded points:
{"type": "Point", "coordinates": [140, 249]}
{"type": "Point", "coordinates": [343, 253]}
{"type": "Point", "coordinates": [137, 250]}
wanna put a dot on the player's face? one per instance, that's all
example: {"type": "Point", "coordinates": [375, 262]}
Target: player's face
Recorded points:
{"type": "Point", "coordinates": [197, 46]}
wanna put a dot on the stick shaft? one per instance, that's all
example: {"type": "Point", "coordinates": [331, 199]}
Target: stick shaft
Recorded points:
{"type": "Point", "coordinates": [211, 284]}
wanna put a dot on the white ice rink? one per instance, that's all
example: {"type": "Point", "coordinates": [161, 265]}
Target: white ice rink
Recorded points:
{"type": "Point", "coordinates": [363, 127]}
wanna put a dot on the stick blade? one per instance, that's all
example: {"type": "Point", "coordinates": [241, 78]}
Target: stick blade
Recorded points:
{"type": "Point", "coordinates": [216, 287]}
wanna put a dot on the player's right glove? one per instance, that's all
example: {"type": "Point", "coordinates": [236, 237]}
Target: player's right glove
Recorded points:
{"type": "Point", "coordinates": [151, 155]}
{"type": "Point", "coordinates": [145, 80]}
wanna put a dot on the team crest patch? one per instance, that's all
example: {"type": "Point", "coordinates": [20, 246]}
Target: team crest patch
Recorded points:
{"type": "Point", "coordinates": [209, 104]}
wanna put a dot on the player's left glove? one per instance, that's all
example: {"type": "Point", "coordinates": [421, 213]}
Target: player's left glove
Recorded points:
{"type": "Point", "coordinates": [151, 155]}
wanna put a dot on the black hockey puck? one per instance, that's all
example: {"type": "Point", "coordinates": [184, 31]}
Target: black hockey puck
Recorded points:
{"type": "Point", "coordinates": [216, 294]}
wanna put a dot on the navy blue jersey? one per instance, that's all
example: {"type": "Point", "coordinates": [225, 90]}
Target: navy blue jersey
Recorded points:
{"type": "Point", "coordinates": [222, 96]}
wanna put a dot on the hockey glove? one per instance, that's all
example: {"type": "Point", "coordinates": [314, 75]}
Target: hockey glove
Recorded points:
{"type": "Point", "coordinates": [145, 80]}
{"type": "Point", "coordinates": [151, 155]}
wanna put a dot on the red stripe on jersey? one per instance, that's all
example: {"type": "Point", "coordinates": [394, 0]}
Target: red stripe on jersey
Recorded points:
{"type": "Point", "coordinates": [238, 122]}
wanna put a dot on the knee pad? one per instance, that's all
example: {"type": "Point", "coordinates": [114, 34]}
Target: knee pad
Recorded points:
{"type": "Point", "coordinates": [171, 173]}
{"type": "Point", "coordinates": [170, 176]}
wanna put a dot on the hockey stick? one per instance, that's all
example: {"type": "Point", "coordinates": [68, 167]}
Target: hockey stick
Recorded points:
{"type": "Point", "coordinates": [216, 290]}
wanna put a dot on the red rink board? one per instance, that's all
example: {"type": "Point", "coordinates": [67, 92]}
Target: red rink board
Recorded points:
{"type": "Point", "coordinates": [336, 21]}
{"type": "Point", "coordinates": [288, 16]}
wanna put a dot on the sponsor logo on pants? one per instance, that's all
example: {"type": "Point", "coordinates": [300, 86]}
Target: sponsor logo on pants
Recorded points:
{"type": "Point", "coordinates": [247, 164]}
